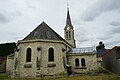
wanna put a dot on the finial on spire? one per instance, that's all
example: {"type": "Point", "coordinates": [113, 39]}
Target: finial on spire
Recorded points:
{"type": "Point", "coordinates": [68, 20]}
{"type": "Point", "coordinates": [67, 6]}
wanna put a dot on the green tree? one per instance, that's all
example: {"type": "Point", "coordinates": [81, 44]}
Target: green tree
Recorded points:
{"type": "Point", "coordinates": [100, 46]}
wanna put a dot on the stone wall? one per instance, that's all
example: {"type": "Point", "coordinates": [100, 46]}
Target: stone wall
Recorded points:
{"type": "Point", "coordinates": [9, 64]}
{"type": "Point", "coordinates": [111, 62]}
{"type": "Point", "coordinates": [90, 62]}
{"type": "Point", "coordinates": [30, 69]}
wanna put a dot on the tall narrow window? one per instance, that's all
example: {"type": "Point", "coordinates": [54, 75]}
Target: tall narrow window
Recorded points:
{"type": "Point", "coordinates": [83, 62]}
{"type": "Point", "coordinates": [66, 35]}
{"type": "Point", "coordinates": [28, 55]}
{"type": "Point", "coordinates": [51, 54]}
{"type": "Point", "coordinates": [76, 62]}
{"type": "Point", "coordinates": [69, 35]}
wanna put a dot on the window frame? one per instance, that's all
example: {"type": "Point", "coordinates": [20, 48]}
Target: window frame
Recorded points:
{"type": "Point", "coordinates": [51, 54]}
{"type": "Point", "coordinates": [77, 62]}
{"type": "Point", "coordinates": [28, 54]}
{"type": "Point", "coordinates": [83, 62]}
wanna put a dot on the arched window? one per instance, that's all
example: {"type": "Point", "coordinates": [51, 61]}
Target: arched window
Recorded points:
{"type": "Point", "coordinates": [51, 54]}
{"type": "Point", "coordinates": [67, 35]}
{"type": "Point", "coordinates": [83, 62]}
{"type": "Point", "coordinates": [28, 55]}
{"type": "Point", "coordinates": [76, 62]}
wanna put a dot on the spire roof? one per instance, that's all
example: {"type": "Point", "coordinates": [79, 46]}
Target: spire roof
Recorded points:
{"type": "Point", "coordinates": [68, 20]}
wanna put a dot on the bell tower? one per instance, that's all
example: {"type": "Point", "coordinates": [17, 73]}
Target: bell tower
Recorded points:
{"type": "Point", "coordinates": [69, 31]}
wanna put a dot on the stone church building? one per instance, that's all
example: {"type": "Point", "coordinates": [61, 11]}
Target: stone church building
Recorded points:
{"type": "Point", "coordinates": [43, 52]}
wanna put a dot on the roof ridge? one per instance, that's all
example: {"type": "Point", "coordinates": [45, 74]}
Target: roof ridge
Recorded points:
{"type": "Point", "coordinates": [43, 31]}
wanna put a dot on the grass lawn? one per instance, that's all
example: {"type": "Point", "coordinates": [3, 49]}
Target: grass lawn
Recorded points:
{"type": "Point", "coordinates": [101, 76]}
{"type": "Point", "coordinates": [3, 75]}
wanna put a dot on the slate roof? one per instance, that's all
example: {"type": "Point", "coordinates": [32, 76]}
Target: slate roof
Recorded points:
{"type": "Point", "coordinates": [43, 31]}
{"type": "Point", "coordinates": [85, 50]}
{"type": "Point", "coordinates": [68, 20]}
{"type": "Point", "coordinates": [101, 52]}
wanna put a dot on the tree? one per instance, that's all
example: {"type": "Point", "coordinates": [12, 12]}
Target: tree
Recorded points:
{"type": "Point", "coordinates": [100, 46]}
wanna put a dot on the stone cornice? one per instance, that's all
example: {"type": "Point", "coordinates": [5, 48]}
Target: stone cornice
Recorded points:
{"type": "Point", "coordinates": [42, 40]}
{"type": "Point", "coordinates": [76, 54]}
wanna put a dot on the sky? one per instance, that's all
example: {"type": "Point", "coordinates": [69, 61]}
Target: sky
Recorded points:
{"type": "Point", "coordinates": [93, 20]}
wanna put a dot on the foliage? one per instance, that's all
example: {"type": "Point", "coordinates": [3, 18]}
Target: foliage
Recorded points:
{"type": "Point", "coordinates": [100, 46]}
{"type": "Point", "coordinates": [7, 48]}
{"type": "Point", "coordinates": [3, 76]}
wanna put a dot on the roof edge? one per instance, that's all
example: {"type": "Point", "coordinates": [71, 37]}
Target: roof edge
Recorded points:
{"type": "Point", "coordinates": [110, 51]}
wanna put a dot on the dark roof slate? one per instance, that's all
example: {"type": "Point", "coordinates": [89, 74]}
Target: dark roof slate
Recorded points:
{"type": "Point", "coordinates": [101, 52]}
{"type": "Point", "coordinates": [68, 20]}
{"type": "Point", "coordinates": [43, 31]}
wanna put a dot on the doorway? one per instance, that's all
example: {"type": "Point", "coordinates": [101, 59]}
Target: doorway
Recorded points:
{"type": "Point", "coordinates": [69, 72]}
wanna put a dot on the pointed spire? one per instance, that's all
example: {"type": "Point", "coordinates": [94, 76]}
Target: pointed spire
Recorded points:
{"type": "Point", "coordinates": [68, 20]}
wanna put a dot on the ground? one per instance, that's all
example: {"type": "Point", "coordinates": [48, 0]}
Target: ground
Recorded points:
{"type": "Point", "coordinates": [100, 76]}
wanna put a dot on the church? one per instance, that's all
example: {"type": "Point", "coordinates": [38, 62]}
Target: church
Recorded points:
{"type": "Point", "coordinates": [43, 52]}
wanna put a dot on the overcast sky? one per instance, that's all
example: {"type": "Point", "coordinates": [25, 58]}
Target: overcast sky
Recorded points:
{"type": "Point", "coordinates": [93, 20]}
